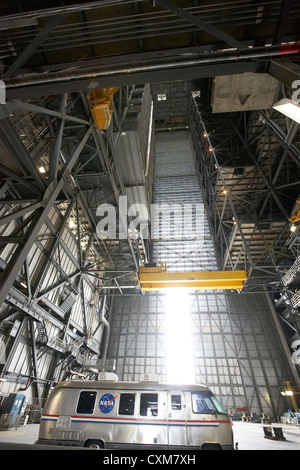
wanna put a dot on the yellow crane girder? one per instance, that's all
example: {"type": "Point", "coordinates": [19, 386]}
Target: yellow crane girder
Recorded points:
{"type": "Point", "coordinates": [156, 277]}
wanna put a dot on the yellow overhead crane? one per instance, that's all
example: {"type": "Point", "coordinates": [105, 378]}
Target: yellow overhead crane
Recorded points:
{"type": "Point", "coordinates": [156, 277]}
{"type": "Point", "coordinates": [296, 217]}
{"type": "Point", "coordinates": [100, 101]}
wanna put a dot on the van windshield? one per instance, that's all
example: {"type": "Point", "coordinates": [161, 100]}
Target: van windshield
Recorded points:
{"type": "Point", "coordinates": [205, 402]}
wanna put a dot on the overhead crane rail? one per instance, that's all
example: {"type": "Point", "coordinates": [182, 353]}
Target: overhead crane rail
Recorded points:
{"type": "Point", "coordinates": [154, 277]}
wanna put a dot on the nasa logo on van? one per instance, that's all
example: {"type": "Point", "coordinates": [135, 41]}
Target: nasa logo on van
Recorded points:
{"type": "Point", "coordinates": [107, 403]}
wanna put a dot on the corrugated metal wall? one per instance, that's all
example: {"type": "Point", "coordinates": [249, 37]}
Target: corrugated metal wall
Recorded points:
{"type": "Point", "coordinates": [138, 336]}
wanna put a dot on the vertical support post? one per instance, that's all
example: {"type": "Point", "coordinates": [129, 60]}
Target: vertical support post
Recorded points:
{"type": "Point", "coordinates": [34, 360]}
{"type": "Point", "coordinates": [289, 388]}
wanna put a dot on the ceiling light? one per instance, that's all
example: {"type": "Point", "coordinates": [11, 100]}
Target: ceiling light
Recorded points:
{"type": "Point", "coordinates": [161, 97]}
{"type": "Point", "coordinates": [289, 109]}
{"type": "Point", "coordinates": [293, 228]}
{"type": "Point", "coordinates": [42, 169]}
{"type": "Point", "coordinates": [224, 191]}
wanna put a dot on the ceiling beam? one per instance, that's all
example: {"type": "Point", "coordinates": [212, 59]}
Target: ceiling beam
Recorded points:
{"type": "Point", "coordinates": [202, 25]}
{"type": "Point", "coordinates": [184, 71]}
{"type": "Point", "coordinates": [285, 72]}
{"type": "Point", "coordinates": [33, 46]}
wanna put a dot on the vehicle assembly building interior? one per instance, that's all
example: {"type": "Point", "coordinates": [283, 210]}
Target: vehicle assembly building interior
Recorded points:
{"type": "Point", "coordinates": [150, 199]}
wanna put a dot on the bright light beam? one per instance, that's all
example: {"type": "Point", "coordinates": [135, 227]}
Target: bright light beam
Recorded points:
{"type": "Point", "coordinates": [180, 363]}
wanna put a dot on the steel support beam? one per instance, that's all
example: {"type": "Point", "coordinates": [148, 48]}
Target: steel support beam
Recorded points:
{"type": "Point", "coordinates": [147, 74]}
{"type": "Point", "coordinates": [19, 153]}
{"type": "Point", "coordinates": [202, 25]}
{"type": "Point", "coordinates": [284, 71]}
{"type": "Point", "coordinates": [42, 272]}
{"type": "Point", "coordinates": [10, 272]}
{"type": "Point", "coordinates": [33, 108]}
{"type": "Point", "coordinates": [13, 176]}
{"type": "Point", "coordinates": [58, 141]}
{"type": "Point", "coordinates": [34, 363]}
{"type": "Point", "coordinates": [221, 176]}
{"type": "Point", "coordinates": [290, 149]}
{"type": "Point", "coordinates": [33, 46]}
{"type": "Point", "coordinates": [259, 170]}
{"type": "Point", "coordinates": [19, 213]}
{"type": "Point", "coordinates": [200, 65]}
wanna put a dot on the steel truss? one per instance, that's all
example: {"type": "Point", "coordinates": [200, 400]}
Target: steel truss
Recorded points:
{"type": "Point", "coordinates": [249, 174]}
{"type": "Point", "coordinates": [57, 168]}
{"type": "Point", "coordinates": [79, 44]}
{"type": "Point", "coordinates": [235, 336]}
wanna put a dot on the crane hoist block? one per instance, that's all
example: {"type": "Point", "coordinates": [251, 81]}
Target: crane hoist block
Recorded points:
{"type": "Point", "coordinates": [100, 102]}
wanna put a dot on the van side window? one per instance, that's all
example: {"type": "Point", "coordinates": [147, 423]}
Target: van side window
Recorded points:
{"type": "Point", "coordinates": [86, 402]}
{"type": "Point", "coordinates": [126, 406]}
{"type": "Point", "coordinates": [176, 402]}
{"type": "Point", "coordinates": [149, 404]}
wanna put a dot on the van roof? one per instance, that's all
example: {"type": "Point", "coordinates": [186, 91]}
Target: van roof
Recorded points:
{"type": "Point", "coordinates": [119, 385]}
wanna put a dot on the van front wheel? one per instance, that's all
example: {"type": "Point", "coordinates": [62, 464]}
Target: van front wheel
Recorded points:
{"type": "Point", "coordinates": [94, 444]}
{"type": "Point", "coordinates": [211, 447]}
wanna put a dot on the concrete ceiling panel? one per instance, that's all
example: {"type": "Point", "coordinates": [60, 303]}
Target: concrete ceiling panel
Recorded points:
{"type": "Point", "coordinates": [244, 92]}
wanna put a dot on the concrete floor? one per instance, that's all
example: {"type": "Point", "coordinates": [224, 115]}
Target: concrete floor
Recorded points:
{"type": "Point", "coordinates": [250, 436]}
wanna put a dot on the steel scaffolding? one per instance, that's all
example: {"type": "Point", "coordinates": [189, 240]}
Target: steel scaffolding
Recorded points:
{"type": "Point", "coordinates": [236, 345]}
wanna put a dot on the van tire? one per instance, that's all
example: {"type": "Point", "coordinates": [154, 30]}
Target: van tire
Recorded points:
{"type": "Point", "coordinates": [211, 447]}
{"type": "Point", "coordinates": [93, 444]}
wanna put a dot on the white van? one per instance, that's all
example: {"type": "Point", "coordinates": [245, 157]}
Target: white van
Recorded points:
{"type": "Point", "coordinates": [135, 415]}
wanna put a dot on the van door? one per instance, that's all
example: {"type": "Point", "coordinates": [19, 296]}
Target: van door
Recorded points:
{"type": "Point", "coordinates": [177, 432]}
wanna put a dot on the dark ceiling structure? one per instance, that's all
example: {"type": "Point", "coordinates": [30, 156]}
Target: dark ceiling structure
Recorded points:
{"type": "Point", "coordinates": [70, 46]}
